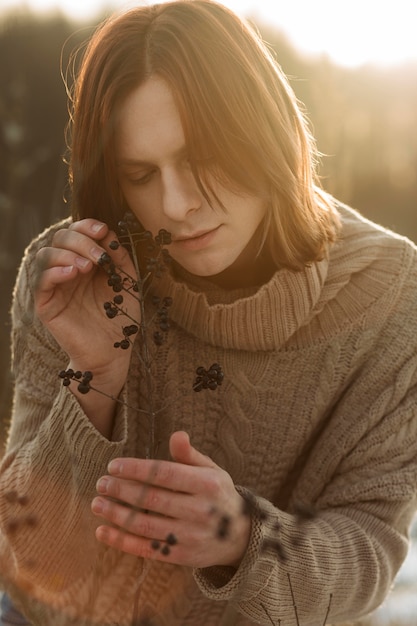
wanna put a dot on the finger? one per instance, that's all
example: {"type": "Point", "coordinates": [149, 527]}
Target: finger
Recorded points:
{"type": "Point", "coordinates": [78, 243]}
{"type": "Point", "coordinates": [105, 238]}
{"type": "Point", "coordinates": [56, 267]}
{"type": "Point", "coordinates": [138, 546]}
{"type": "Point", "coordinates": [183, 452]}
{"type": "Point", "coordinates": [49, 257]}
{"type": "Point", "coordinates": [90, 227]}
{"type": "Point", "coordinates": [156, 499]}
{"type": "Point", "coordinates": [167, 474]}
{"type": "Point", "coordinates": [50, 279]}
{"type": "Point", "coordinates": [132, 520]}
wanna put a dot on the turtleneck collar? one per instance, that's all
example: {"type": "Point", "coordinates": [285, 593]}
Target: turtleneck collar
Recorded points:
{"type": "Point", "coordinates": [258, 318]}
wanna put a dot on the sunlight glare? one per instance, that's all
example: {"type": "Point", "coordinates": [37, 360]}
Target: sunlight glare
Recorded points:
{"type": "Point", "coordinates": [350, 33]}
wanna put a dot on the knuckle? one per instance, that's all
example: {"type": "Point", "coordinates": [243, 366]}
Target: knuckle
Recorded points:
{"type": "Point", "coordinates": [146, 527]}
{"type": "Point", "coordinates": [213, 485]}
{"type": "Point", "coordinates": [113, 488]}
{"type": "Point", "coordinates": [59, 237]}
{"type": "Point", "coordinates": [165, 472]}
{"type": "Point", "coordinates": [42, 258]}
{"type": "Point", "coordinates": [152, 499]}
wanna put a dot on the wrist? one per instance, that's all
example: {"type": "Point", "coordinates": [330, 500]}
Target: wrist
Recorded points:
{"type": "Point", "coordinates": [97, 395]}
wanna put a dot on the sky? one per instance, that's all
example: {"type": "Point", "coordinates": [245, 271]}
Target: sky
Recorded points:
{"type": "Point", "coordinates": [351, 33]}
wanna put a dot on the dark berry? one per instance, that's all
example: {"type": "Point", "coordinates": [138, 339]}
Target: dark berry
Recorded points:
{"type": "Point", "coordinates": [163, 238]}
{"type": "Point", "coordinates": [105, 258]}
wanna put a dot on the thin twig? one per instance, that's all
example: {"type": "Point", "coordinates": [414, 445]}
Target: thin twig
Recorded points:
{"type": "Point", "coordinates": [269, 616]}
{"type": "Point", "coordinates": [293, 600]}
{"type": "Point", "coordinates": [328, 609]}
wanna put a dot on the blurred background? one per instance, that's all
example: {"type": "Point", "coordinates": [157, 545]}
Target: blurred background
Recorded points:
{"type": "Point", "coordinates": [353, 65]}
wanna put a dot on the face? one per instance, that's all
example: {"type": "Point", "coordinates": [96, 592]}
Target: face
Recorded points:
{"type": "Point", "coordinates": [158, 185]}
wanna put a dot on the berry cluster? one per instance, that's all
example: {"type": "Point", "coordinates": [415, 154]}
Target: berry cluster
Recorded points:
{"type": "Point", "coordinates": [155, 265]}
{"type": "Point", "coordinates": [84, 379]}
{"type": "Point", "coordinates": [163, 238]}
{"type": "Point", "coordinates": [208, 379]}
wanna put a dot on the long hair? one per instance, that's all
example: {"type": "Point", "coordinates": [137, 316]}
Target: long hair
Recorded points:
{"type": "Point", "coordinates": [242, 122]}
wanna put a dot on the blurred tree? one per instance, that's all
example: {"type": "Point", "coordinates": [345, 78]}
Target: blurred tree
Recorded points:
{"type": "Point", "coordinates": [365, 124]}
{"type": "Point", "coordinates": [33, 115]}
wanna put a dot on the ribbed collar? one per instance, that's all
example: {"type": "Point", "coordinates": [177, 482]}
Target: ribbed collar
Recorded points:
{"type": "Point", "coordinates": [256, 319]}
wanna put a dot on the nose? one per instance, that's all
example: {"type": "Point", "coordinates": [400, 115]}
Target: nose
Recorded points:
{"type": "Point", "coordinates": [180, 194]}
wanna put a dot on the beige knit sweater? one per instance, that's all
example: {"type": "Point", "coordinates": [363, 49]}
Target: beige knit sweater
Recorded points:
{"type": "Point", "coordinates": [318, 406]}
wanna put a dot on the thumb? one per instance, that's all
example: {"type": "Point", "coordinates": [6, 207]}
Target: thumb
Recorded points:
{"type": "Point", "coordinates": [183, 452]}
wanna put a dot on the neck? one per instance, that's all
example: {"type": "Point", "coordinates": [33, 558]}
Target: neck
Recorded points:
{"type": "Point", "coordinates": [241, 274]}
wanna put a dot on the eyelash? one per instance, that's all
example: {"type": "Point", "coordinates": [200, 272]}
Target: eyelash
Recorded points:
{"type": "Point", "coordinates": [142, 180]}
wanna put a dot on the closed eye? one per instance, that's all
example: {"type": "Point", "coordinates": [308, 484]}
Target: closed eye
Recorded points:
{"type": "Point", "coordinates": [143, 179]}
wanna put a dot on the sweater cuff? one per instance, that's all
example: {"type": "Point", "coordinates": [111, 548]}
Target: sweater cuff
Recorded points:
{"type": "Point", "coordinates": [83, 439]}
{"type": "Point", "coordinates": [225, 582]}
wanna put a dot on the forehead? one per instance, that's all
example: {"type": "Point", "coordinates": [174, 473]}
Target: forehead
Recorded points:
{"type": "Point", "coordinates": [148, 125]}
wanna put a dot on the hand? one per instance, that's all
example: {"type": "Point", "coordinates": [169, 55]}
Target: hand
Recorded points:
{"type": "Point", "coordinates": [69, 300]}
{"type": "Point", "coordinates": [70, 294]}
{"type": "Point", "coordinates": [191, 501]}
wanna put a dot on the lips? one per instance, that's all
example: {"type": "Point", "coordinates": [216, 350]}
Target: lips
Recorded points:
{"type": "Point", "coordinates": [196, 241]}
{"type": "Point", "coordinates": [196, 235]}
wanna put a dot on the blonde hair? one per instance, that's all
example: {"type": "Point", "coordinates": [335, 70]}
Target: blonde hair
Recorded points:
{"type": "Point", "coordinates": [237, 109]}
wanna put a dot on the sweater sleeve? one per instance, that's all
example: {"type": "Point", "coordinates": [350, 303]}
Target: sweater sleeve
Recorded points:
{"type": "Point", "coordinates": [53, 459]}
{"type": "Point", "coordinates": [360, 480]}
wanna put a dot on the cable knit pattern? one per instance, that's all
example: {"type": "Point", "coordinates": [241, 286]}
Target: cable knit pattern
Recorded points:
{"type": "Point", "coordinates": [318, 407]}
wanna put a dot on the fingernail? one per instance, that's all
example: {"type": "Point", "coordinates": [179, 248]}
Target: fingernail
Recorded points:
{"type": "Point", "coordinates": [98, 505]}
{"type": "Point", "coordinates": [96, 253]}
{"type": "Point", "coordinates": [67, 269]}
{"type": "Point", "coordinates": [102, 485]}
{"type": "Point", "coordinates": [115, 467]}
{"type": "Point", "coordinates": [97, 227]}
{"type": "Point", "coordinates": [81, 262]}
